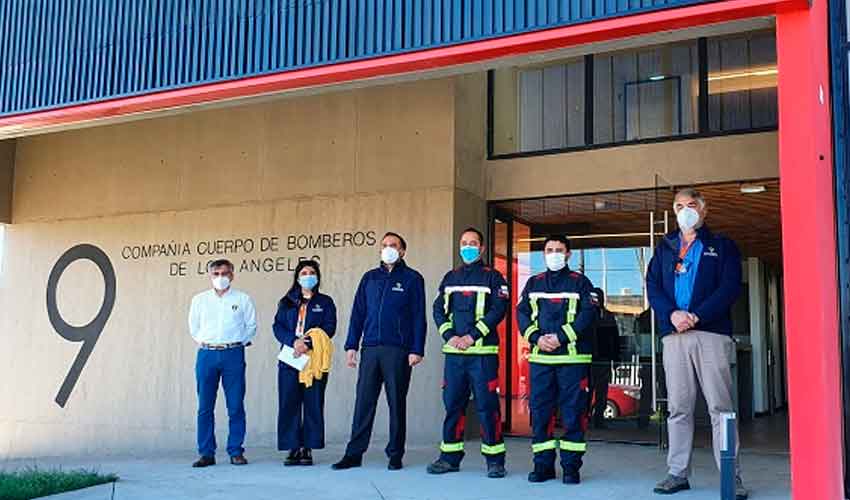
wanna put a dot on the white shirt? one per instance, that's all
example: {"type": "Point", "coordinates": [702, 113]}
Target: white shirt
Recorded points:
{"type": "Point", "coordinates": [222, 320]}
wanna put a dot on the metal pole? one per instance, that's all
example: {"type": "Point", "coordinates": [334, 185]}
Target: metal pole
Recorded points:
{"type": "Point", "coordinates": [652, 318]}
{"type": "Point", "coordinates": [727, 456]}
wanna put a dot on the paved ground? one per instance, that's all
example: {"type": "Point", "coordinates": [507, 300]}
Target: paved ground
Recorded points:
{"type": "Point", "coordinates": [611, 471]}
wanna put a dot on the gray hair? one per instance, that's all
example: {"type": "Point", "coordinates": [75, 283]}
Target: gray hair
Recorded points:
{"type": "Point", "coordinates": [690, 193]}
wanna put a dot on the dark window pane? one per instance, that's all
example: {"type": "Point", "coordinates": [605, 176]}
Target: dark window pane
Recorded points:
{"type": "Point", "coordinates": [742, 80]}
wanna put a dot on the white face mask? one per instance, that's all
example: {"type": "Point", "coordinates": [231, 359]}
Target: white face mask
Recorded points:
{"type": "Point", "coordinates": [688, 218]}
{"type": "Point", "coordinates": [221, 282]}
{"type": "Point", "coordinates": [389, 255]}
{"type": "Point", "coordinates": [556, 261]}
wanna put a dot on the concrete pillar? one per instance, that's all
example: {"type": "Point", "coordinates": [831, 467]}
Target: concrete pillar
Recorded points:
{"type": "Point", "coordinates": [758, 333]}
{"type": "Point", "coordinates": [7, 161]}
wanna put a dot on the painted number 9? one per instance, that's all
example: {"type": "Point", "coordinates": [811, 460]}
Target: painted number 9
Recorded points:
{"type": "Point", "coordinates": [87, 334]}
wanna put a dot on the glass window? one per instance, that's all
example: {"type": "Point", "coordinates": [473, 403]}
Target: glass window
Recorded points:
{"type": "Point", "coordinates": [742, 82]}
{"type": "Point", "coordinates": [539, 107]}
{"type": "Point", "coordinates": [646, 93]}
{"type": "Point", "coordinates": [638, 94]}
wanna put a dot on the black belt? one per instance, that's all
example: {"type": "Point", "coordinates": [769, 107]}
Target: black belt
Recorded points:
{"type": "Point", "coordinates": [221, 347]}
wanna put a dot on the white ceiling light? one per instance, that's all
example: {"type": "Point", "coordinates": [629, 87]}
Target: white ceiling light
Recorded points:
{"type": "Point", "coordinates": [752, 188]}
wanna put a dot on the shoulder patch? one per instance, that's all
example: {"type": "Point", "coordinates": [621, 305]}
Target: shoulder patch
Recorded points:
{"type": "Point", "coordinates": [539, 276]}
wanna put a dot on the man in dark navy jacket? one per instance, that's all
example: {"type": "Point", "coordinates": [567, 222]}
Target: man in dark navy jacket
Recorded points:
{"type": "Point", "coordinates": [388, 321]}
{"type": "Point", "coordinates": [693, 281]}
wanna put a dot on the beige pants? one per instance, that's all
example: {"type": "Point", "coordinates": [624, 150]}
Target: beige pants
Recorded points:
{"type": "Point", "coordinates": [688, 357]}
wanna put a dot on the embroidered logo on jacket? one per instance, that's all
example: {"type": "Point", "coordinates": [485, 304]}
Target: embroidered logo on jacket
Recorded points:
{"type": "Point", "coordinates": [317, 308]}
{"type": "Point", "coordinates": [398, 287]}
{"type": "Point", "coordinates": [710, 252]}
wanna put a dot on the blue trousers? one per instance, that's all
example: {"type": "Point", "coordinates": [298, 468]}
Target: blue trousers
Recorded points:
{"type": "Point", "coordinates": [478, 375]}
{"type": "Point", "coordinates": [227, 366]}
{"type": "Point", "coordinates": [301, 411]}
{"type": "Point", "coordinates": [563, 387]}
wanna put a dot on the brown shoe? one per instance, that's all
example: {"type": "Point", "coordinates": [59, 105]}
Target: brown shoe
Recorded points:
{"type": "Point", "coordinates": [238, 460]}
{"type": "Point", "coordinates": [204, 462]}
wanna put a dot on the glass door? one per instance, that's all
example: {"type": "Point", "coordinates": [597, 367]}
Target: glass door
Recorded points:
{"type": "Point", "coordinates": [625, 372]}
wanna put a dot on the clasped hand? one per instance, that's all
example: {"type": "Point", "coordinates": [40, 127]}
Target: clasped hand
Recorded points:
{"type": "Point", "coordinates": [548, 342]}
{"type": "Point", "coordinates": [461, 343]}
{"type": "Point", "coordinates": [683, 321]}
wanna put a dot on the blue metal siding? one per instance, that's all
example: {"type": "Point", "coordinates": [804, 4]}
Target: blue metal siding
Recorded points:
{"type": "Point", "coordinates": [55, 53]}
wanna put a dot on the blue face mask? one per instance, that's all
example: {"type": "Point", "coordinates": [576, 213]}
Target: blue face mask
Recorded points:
{"type": "Point", "coordinates": [308, 281]}
{"type": "Point", "coordinates": [469, 254]}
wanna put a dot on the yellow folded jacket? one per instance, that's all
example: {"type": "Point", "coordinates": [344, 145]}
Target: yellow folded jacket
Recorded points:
{"type": "Point", "coordinates": [320, 357]}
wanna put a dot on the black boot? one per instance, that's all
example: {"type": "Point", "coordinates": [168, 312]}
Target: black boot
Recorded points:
{"type": "Point", "coordinates": [306, 456]}
{"type": "Point", "coordinates": [294, 457]}
{"type": "Point", "coordinates": [571, 477]}
{"type": "Point", "coordinates": [541, 474]}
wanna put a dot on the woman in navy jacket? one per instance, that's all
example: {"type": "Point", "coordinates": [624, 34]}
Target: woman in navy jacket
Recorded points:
{"type": "Point", "coordinates": [301, 309]}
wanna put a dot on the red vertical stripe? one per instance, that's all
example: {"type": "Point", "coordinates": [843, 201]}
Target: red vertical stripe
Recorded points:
{"type": "Point", "coordinates": [809, 253]}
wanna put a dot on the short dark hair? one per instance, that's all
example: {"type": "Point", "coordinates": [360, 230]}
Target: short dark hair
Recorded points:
{"type": "Point", "coordinates": [220, 263]}
{"type": "Point", "coordinates": [560, 238]}
{"type": "Point", "coordinates": [390, 233]}
{"type": "Point", "coordinates": [478, 233]}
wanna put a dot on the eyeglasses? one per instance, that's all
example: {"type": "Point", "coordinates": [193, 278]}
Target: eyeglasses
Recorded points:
{"type": "Point", "coordinates": [220, 273]}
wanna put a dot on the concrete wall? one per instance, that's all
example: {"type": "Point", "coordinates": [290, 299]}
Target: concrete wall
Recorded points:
{"type": "Point", "coordinates": [7, 163]}
{"type": "Point", "coordinates": [407, 157]}
{"type": "Point", "coordinates": [718, 159]}
{"type": "Point", "coordinates": [364, 161]}
{"type": "Point", "coordinates": [470, 207]}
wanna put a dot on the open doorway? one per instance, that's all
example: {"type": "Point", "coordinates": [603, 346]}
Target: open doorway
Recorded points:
{"type": "Point", "coordinates": [613, 236]}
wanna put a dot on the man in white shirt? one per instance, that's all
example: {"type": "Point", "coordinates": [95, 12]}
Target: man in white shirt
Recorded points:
{"type": "Point", "coordinates": [223, 321]}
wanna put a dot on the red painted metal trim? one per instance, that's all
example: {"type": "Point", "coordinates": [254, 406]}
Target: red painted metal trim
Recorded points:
{"type": "Point", "coordinates": [596, 31]}
{"type": "Point", "coordinates": [809, 254]}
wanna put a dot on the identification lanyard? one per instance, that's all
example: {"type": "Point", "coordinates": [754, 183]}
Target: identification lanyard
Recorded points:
{"type": "Point", "coordinates": [681, 268]}
{"type": "Point", "coordinates": [302, 316]}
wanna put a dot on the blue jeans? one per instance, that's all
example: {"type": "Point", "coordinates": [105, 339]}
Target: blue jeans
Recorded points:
{"type": "Point", "coordinates": [229, 367]}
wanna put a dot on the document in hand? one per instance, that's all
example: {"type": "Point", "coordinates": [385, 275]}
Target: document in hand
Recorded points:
{"type": "Point", "coordinates": [287, 355]}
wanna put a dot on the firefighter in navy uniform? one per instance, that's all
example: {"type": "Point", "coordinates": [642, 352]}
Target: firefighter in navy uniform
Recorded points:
{"type": "Point", "coordinates": [471, 302]}
{"type": "Point", "coordinates": [556, 316]}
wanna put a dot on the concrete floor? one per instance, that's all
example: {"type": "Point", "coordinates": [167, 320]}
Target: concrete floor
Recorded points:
{"type": "Point", "coordinates": [611, 471]}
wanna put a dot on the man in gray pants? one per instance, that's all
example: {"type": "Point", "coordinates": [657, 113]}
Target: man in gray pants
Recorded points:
{"type": "Point", "coordinates": [694, 278]}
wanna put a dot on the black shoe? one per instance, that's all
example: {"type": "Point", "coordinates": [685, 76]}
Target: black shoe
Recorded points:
{"type": "Point", "coordinates": [395, 464]}
{"type": "Point", "coordinates": [672, 484]}
{"type": "Point", "coordinates": [571, 477]}
{"type": "Point", "coordinates": [204, 462]}
{"type": "Point", "coordinates": [440, 466]}
{"type": "Point", "coordinates": [348, 462]}
{"type": "Point", "coordinates": [600, 424]}
{"type": "Point", "coordinates": [306, 456]}
{"type": "Point", "coordinates": [238, 460]}
{"type": "Point", "coordinates": [541, 474]}
{"type": "Point", "coordinates": [294, 457]}
{"type": "Point", "coordinates": [496, 471]}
